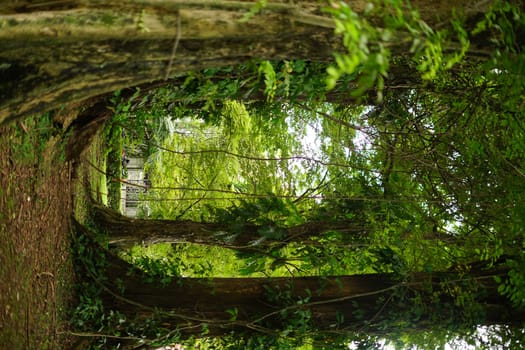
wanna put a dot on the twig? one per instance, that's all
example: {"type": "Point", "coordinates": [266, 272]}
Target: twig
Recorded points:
{"type": "Point", "coordinates": [377, 313]}
{"type": "Point", "coordinates": [175, 45]}
{"type": "Point", "coordinates": [329, 301]}
{"type": "Point", "coordinates": [100, 335]}
{"type": "Point", "coordinates": [116, 179]}
{"type": "Point", "coordinates": [334, 119]}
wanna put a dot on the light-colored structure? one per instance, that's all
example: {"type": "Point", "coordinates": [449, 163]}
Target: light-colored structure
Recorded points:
{"type": "Point", "coordinates": [130, 195]}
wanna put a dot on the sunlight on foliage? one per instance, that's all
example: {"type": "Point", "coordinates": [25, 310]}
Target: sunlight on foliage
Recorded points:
{"type": "Point", "coordinates": [419, 188]}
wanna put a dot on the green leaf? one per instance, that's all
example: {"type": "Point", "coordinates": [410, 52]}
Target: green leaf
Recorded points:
{"type": "Point", "coordinates": [233, 313]}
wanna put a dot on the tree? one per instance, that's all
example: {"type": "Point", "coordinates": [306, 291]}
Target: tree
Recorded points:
{"type": "Point", "coordinates": [202, 160]}
{"type": "Point", "coordinates": [241, 236]}
{"type": "Point", "coordinates": [64, 53]}
{"type": "Point", "coordinates": [450, 148]}
{"type": "Point", "coordinates": [303, 307]}
{"type": "Point", "coordinates": [409, 156]}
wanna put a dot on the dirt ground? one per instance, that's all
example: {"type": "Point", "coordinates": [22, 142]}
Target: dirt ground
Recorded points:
{"type": "Point", "coordinates": [36, 271]}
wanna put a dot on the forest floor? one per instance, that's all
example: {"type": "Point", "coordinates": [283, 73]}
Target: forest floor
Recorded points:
{"type": "Point", "coordinates": [36, 270]}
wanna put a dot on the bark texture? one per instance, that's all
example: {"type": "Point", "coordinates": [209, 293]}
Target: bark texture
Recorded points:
{"type": "Point", "coordinates": [334, 304]}
{"type": "Point", "coordinates": [54, 57]}
{"type": "Point", "coordinates": [124, 231]}
{"type": "Point", "coordinates": [58, 52]}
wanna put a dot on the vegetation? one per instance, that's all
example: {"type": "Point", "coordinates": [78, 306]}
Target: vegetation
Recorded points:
{"type": "Point", "coordinates": [301, 203]}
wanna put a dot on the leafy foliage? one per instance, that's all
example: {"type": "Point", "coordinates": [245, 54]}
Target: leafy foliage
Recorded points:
{"type": "Point", "coordinates": [425, 180]}
{"type": "Point", "coordinates": [368, 44]}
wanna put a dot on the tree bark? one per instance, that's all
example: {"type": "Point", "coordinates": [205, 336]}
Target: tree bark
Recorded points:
{"type": "Point", "coordinates": [54, 57]}
{"type": "Point", "coordinates": [124, 231]}
{"type": "Point", "coordinates": [332, 304]}
{"type": "Point", "coordinates": [54, 53]}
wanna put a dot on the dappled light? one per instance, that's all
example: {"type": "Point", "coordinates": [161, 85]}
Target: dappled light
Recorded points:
{"type": "Point", "coordinates": [262, 175]}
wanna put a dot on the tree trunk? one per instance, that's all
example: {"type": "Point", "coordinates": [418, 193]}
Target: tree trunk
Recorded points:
{"type": "Point", "coordinates": [54, 57]}
{"type": "Point", "coordinates": [333, 304]}
{"type": "Point", "coordinates": [125, 231]}
{"type": "Point", "coordinates": [58, 52]}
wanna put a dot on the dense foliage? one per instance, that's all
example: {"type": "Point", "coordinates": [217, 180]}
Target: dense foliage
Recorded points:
{"type": "Point", "coordinates": [415, 174]}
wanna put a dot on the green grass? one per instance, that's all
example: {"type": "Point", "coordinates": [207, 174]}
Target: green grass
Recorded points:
{"type": "Point", "coordinates": [92, 180]}
{"type": "Point", "coordinates": [96, 170]}
{"type": "Point", "coordinates": [105, 166]}
{"type": "Point", "coordinates": [102, 183]}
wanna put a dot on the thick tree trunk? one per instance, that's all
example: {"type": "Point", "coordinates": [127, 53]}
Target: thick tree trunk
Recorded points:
{"type": "Point", "coordinates": [124, 231]}
{"type": "Point", "coordinates": [54, 57]}
{"type": "Point", "coordinates": [400, 78]}
{"type": "Point", "coordinates": [337, 304]}
{"type": "Point", "coordinates": [58, 52]}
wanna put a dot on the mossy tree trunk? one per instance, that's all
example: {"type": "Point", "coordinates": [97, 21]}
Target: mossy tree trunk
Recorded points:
{"type": "Point", "coordinates": [55, 57]}
{"type": "Point", "coordinates": [125, 231]}
{"type": "Point", "coordinates": [59, 52]}
{"type": "Point", "coordinates": [333, 304]}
